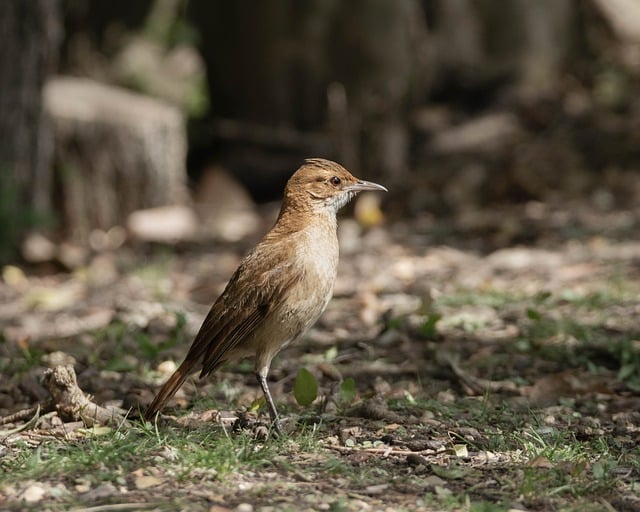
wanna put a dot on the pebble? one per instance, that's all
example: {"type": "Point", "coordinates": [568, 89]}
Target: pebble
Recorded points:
{"type": "Point", "coordinates": [33, 493]}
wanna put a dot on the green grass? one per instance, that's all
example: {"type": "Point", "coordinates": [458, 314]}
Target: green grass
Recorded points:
{"type": "Point", "coordinates": [111, 454]}
{"type": "Point", "coordinates": [549, 463]}
{"type": "Point", "coordinates": [549, 460]}
{"type": "Point", "coordinates": [567, 327]}
{"type": "Point", "coordinates": [207, 455]}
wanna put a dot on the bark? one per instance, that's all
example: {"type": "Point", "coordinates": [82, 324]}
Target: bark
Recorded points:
{"type": "Point", "coordinates": [30, 38]}
{"type": "Point", "coordinates": [348, 66]}
{"type": "Point", "coordinates": [376, 51]}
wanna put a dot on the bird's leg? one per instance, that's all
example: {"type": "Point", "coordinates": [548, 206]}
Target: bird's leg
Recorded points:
{"type": "Point", "coordinates": [273, 413]}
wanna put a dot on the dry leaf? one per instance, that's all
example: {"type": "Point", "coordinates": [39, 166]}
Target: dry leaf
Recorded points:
{"type": "Point", "coordinates": [540, 462]}
{"type": "Point", "coordinates": [146, 481]}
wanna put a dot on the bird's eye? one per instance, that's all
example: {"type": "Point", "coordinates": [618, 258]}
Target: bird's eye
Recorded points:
{"type": "Point", "coordinates": [335, 181]}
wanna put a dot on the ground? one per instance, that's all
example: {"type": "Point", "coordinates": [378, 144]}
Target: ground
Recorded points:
{"type": "Point", "coordinates": [487, 361]}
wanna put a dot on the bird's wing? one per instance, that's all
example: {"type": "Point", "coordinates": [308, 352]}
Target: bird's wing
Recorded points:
{"type": "Point", "coordinates": [244, 305]}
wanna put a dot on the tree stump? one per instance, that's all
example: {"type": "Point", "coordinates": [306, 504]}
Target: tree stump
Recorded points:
{"type": "Point", "coordinates": [115, 152]}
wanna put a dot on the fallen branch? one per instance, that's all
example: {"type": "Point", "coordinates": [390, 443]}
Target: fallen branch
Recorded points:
{"type": "Point", "coordinates": [73, 405]}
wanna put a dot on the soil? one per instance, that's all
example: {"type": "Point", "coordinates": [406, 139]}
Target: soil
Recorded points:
{"type": "Point", "coordinates": [466, 337]}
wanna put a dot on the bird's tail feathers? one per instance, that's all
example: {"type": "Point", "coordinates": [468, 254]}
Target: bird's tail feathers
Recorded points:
{"type": "Point", "coordinates": [169, 389]}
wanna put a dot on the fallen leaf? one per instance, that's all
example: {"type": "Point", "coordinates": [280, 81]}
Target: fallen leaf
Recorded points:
{"type": "Point", "coordinates": [460, 450]}
{"type": "Point", "coordinates": [146, 481]}
{"type": "Point", "coordinates": [14, 277]}
{"type": "Point", "coordinates": [55, 298]}
{"type": "Point", "coordinates": [448, 473]}
{"type": "Point", "coordinates": [540, 462]}
{"type": "Point", "coordinates": [376, 489]}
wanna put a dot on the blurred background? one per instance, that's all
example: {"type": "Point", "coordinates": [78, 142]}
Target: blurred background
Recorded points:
{"type": "Point", "coordinates": [169, 120]}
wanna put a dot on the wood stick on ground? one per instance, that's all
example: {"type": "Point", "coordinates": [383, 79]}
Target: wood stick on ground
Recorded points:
{"type": "Point", "coordinates": [478, 384]}
{"type": "Point", "coordinates": [73, 405]}
{"type": "Point", "coordinates": [24, 414]}
{"type": "Point", "coordinates": [26, 426]}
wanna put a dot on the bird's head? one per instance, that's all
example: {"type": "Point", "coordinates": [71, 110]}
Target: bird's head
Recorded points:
{"type": "Point", "coordinates": [324, 185]}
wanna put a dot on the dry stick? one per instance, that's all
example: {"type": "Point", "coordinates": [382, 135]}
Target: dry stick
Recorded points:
{"type": "Point", "coordinates": [386, 451]}
{"type": "Point", "coordinates": [116, 507]}
{"type": "Point", "coordinates": [73, 405]}
{"type": "Point", "coordinates": [478, 384]}
{"type": "Point", "coordinates": [24, 414]}
{"type": "Point", "coordinates": [29, 424]}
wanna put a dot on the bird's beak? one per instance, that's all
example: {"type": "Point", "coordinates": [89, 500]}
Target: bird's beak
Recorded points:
{"type": "Point", "coordinates": [365, 185]}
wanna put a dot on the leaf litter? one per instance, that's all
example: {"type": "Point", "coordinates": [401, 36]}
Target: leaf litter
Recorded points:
{"type": "Point", "coordinates": [447, 374]}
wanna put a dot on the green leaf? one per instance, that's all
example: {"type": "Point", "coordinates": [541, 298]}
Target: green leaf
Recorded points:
{"type": "Point", "coordinates": [598, 470]}
{"type": "Point", "coordinates": [626, 371]}
{"type": "Point", "coordinates": [428, 328]}
{"type": "Point", "coordinates": [534, 314]}
{"type": "Point", "coordinates": [305, 387]}
{"type": "Point", "coordinates": [347, 391]}
{"type": "Point", "coordinates": [258, 403]}
{"type": "Point", "coordinates": [449, 473]}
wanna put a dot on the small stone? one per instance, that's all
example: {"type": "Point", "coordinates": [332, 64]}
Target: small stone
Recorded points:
{"type": "Point", "coordinates": [244, 507]}
{"type": "Point", "coordinates": [413, 459]}
{"type": "Point", "coordinates": [33, 493]}
{"type": "Point", "coordinates": [376, 489]}
{"type": "Point", "coordinates": [82, 488]}
{"type": "Point", "coordinates": [359, 505]}
{"type": "Point", "coordinates": [58, 491]}
{"type": "Point", "coordinates": [36, 248]}
{"type": "Point", "coordinates": [167, 367]}
{"type": "Point", "coordinates": [102, 491]}
{"type": "Point", "coordinates": [433, 481]}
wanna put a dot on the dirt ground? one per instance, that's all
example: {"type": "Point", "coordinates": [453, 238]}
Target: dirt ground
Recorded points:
{"type": "Point", "coordinates": [492, 362]}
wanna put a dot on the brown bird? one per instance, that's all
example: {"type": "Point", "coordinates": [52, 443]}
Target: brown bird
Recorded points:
{"type": "Point", "coordinates": [281, 287]}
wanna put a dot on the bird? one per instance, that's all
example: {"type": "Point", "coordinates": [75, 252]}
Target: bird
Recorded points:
{"type": "Point", "coordinates": [280, 288]}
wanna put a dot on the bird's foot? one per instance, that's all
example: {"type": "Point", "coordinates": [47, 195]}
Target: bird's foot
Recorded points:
{"type": "Point", "coordinates": [276, 428]}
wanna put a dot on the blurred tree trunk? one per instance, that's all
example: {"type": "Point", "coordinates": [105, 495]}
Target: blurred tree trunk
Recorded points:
{"type": "Point", "coordinates": [356, 72]}
{"type": "Point", "coordinates": [274, 63]}
{"type": "Point", "coordinates": [30, 38]}
{"type": "Point", "coordinates": [519, 41]}
{"type": "Point", "coordinates": [378, 52]}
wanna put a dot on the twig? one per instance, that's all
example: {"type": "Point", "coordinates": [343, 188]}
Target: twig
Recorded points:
{"type": "Point", "coordinates": [113, 507]}
{"type": "Point", "coordinates": [22, 415]}
{"type": "Point", "coordinates": [478, 384]}
{"type": "Point", "coordinates": [29, 424]}
{"type": "Point", "coordinates": [385, 451]}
